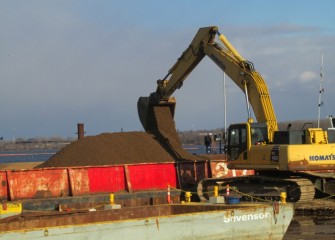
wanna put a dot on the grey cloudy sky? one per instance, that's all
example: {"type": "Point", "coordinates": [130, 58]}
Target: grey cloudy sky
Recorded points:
{"type": "Point", "coordinates": [64, 62]}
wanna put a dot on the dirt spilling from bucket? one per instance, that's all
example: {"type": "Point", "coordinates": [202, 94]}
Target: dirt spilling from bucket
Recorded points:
{"type": "Point", "coordinates": [162, 126]}
{"type": "Point", "coordinates": [159, 144]}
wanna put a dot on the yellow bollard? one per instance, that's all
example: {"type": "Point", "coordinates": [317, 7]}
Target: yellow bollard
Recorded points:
{"type": "Point", "coordinates": [188, 196]}
{"type": "Point", "coordinates": [216, 191]}
{"type": "Point", "coordinates": [283, 197]}
{"type": "Point", "coordinates": [111, 198]}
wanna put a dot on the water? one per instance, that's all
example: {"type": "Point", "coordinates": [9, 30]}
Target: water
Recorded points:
{"type": "Point", "coordinates": [19, 156]}
{"type": "Point", "coordinates": [311, 227]}
{"type": "Point", "coordinates": [201, 149]}
{"type": "Point", "coordinates": [301, 227]}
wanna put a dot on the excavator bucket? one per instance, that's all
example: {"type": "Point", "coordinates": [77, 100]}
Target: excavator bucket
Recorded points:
{"type": "Point", "coordinates": [145, 110]}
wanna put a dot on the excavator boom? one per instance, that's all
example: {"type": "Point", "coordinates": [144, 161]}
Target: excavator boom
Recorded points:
{"type": "Point", "coordinates": [229, 60]}
{"type": "Point", "coordinates": [175, 77]}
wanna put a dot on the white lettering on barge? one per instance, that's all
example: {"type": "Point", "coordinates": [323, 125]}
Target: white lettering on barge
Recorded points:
{"type": "Point", "coordinates": [248, 217]}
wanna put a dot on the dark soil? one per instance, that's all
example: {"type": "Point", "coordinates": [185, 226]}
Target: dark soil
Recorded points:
{"type": "Point", "coordinates": [162, 126]}
{"type": "Point", "coordinates": [159, 144]}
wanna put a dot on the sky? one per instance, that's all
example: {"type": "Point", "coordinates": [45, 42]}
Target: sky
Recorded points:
{"type": "Point", "coordinates": [64, 62]}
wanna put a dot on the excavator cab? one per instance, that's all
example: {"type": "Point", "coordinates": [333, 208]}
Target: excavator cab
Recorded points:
{"type": "Point", "coordinates": [242, 136]}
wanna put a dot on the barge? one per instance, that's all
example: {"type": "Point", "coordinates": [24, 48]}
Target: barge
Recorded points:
{"type": "Point", "coordinates": [165, 221]}
{"type": "Point", "coordinates": [76, 202]}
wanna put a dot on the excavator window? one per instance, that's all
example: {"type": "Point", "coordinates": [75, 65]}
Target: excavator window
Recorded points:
{"type": "Point", "coordinates": [237, 141]}
{"type": "Point", "coordinates": [258, 135]}
{"type": "Point", "coordinates": [235, 137]}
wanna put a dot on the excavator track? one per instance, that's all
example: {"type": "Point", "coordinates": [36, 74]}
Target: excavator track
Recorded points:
{"type": "Point", "coordinates": [324, 182]}
{"type": "Point", "coordinates": [298, 189]}
{"type": "Point", "coordinates": [303, 191]}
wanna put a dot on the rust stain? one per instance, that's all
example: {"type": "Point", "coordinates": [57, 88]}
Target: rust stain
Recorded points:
{"type": "Point", "coordinates": [146, 222]}
{"type": "Point", "coordinates": [301, 162]}
{"type": "Point", "coordinates": [157, 223]}
{"type": "Point", "coordinates": [276, 208]}
{"type": "Point", "coordinates": [229, 214]}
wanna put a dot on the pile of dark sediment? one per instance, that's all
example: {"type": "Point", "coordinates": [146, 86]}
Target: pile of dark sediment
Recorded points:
{"type": "Point", "coordinates": [159, 144]}
{"type": "Point", "coordinates": [110, 148]}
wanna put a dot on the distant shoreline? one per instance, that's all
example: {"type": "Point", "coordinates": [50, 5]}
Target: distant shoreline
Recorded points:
{"type": "Point", "coordinates": [12, 146]}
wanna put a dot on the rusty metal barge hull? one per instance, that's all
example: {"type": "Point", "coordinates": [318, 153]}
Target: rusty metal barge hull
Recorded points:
{"type": "Point", "coordinates": [176, 221]}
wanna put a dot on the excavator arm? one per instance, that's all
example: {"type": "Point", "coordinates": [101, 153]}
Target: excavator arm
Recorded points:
{"type": "Point", "coordinates": [229, 60]}
{"type": "Point", "coordinates": [185, 64]}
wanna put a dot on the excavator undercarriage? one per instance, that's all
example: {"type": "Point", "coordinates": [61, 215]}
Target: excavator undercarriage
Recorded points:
{"type": "Point", "coordinates": [298, 186]}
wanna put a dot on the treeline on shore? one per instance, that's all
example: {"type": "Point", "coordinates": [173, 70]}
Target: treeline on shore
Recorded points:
{"type": "Point", "coordinates": [35, 143]}
{"type": "Point", "coordinates": [191, 137]}
{"type": "Point", "coordinates": [197, 137]}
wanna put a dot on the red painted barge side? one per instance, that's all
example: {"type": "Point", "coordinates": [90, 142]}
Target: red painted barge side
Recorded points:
{"type": "Point", "coordinates": [41, 183]}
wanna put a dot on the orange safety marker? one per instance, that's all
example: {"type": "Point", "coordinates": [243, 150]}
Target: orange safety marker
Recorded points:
{"type": "Point", "coordinates": [227, 190]}
{"type": "Point", "coordinates": [168, 194]}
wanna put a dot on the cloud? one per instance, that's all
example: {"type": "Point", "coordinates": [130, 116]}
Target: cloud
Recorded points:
{"type": "Point", "coordinates": [67, 62]}
{"type": "Point", "coordinates": [307, 76]}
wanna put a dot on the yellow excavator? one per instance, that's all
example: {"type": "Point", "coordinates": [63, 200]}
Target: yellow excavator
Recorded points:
{"type": "Point", "coordinates": [298, 162]}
